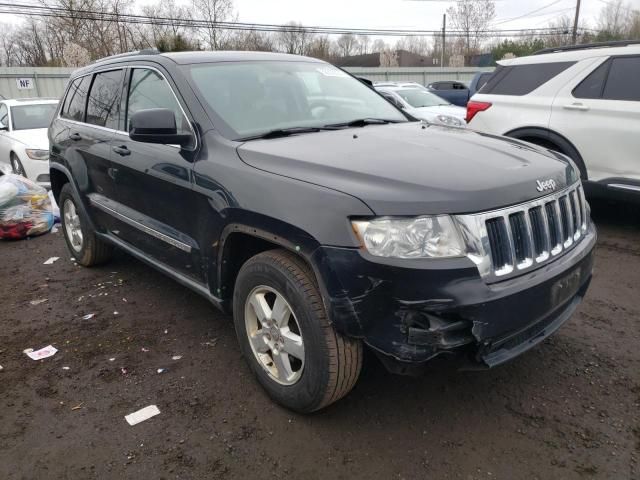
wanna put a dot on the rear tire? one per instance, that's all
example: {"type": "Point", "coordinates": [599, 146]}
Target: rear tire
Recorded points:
{"type": "Point", "coordinates": [81, 239]}
{"type": "Point", "coordinates": [330, 363]}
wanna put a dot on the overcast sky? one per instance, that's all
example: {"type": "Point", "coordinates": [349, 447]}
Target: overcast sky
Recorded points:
{"type": "Point", "coordinates": [409, 14]}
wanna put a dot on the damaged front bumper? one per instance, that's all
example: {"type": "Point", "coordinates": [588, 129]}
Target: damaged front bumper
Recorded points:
{"type": "Point", "coordinates": [411, 313]}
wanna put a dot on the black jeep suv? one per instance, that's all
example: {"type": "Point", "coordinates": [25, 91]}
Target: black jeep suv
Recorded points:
{"type": "Point", "coordinates": [293, 195]}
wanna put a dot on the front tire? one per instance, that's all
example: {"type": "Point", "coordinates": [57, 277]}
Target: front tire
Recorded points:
{"type": "Point", "coordinates": [81, 239]}
{"type": "Point", "coordinates": [16, 166]}
{"type": "Point", "coordinates": [285, 336]}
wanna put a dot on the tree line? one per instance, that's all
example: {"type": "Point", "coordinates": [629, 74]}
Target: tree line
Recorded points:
{"type": "Point", "coordinates": [84, 30]}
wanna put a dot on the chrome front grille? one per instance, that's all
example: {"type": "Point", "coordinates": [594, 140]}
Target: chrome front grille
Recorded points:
{"type": "Point", "coordinates": [510, 241]}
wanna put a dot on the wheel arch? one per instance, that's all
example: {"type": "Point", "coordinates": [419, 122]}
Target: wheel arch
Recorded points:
{"type": "Point", "coordinates": [550, 139]}
{"type": "Point", "coordinates": [241, 241]}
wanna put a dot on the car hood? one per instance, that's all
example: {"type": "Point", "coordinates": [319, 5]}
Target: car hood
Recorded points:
{"type": "Point", "coordinates": [451, 110]}
{"type": "Point", "coordinates": [36, 138]}
{"type": "Point", "coordinates": [414, 169]}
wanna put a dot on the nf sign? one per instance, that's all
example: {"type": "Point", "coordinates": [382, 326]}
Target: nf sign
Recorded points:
{"type": "Point", "coordinates": [25, 83]}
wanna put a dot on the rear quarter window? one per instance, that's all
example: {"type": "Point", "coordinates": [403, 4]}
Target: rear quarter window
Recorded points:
{"type": "Point", "coordinates": [76, 99]}
{"type": "Point", "coordinates": [622, 82]}
{"type": "Point", "coordinates": [520, 80]}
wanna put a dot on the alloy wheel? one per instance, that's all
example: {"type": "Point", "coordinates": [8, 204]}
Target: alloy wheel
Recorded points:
{"type": "Point", "coordinates": [274, 335]}
{"type": "Point", "coordinates": [72, 225]}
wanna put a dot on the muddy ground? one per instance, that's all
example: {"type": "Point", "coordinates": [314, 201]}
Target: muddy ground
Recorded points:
{"type": "Point", "coordinates": [570, 409]}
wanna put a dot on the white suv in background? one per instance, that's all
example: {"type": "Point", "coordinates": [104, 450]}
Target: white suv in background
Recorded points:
{"type": "Point", "coordinates": [583, 101]}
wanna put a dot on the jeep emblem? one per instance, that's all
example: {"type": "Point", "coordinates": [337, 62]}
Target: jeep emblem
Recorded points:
{"type": "Point", "coordinates": [544, 185]}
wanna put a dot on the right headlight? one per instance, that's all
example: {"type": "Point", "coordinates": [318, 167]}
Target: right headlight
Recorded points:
{"type": "Point", "coordinates": [419, 237]}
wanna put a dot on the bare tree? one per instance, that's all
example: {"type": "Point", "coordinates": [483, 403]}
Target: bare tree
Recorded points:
{"type": "Point", "coordinates": [413, 44]}
{"type": "Point", "coordinates": [294, 38]}
{"type": "Point", "coordinates": [472, 18]}
{"type": "Point", "coordinates": [615, 19]}
{"type": "Point", "coordinates": [347, 44]}
{"type": "Point", "coordinates": [322, 47]}
{"type": "Point", "coordinates": [213, 12]}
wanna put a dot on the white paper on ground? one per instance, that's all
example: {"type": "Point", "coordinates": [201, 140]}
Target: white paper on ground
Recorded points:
{"type": "Point", "coordinates": [51, 260]}
{"type": "Point", "coordinates": [141, 415]}
{"type": "Point", "coordinates": [46, 352]}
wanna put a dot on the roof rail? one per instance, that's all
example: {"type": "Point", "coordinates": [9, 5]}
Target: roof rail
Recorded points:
{"type": "Point", "coordinates": [148, 51]}
{"type": "Point", "coordinates": [586, 46]}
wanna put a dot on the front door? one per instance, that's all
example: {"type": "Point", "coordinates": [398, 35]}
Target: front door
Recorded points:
{"type": "Point", "coordinates": [154, 182]}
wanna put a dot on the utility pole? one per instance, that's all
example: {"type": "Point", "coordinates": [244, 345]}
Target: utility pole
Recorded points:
{"type": "Point", "coordinates": [574, 36]}
{"type": "Point", "coordinates": [444, 38]}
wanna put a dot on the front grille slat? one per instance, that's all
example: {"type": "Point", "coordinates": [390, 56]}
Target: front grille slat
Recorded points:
{"type": "Point", "coordinates": [519, 238]}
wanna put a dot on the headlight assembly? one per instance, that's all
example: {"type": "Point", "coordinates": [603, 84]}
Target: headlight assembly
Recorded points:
{"type": "Point", "coordinates": [450, 121]}
{"type": "Point", "coordinates": [419, 237]}
{"type": "Point", "coordinates": [34, 154]}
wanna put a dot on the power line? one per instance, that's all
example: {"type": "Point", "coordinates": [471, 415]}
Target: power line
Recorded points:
{"type": "Point", "coordinates": [57, 12]}
{"type": "Point", "coordinates": [508, 20]}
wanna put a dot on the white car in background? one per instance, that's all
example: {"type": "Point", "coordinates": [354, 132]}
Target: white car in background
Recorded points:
{"type": "Point", "coordinates": [421, 103]}
{"type": "Point", "coordinates": [582, 101]}
{"type": "Point", "coordinates": [23, 136]}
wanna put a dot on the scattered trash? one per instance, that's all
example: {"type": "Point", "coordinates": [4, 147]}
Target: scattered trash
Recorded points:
{"type": "Point", "coordinates": [51, 260]}
{"type": "Point", "coordinates": [54, 209]}
{"type": "Point", "coordinates": [38, 301]}
{"type": "Point", "coordinates": [124, 371]}
{"type": "Point", "coordinates": [25, 208]}
{"type": "Point", "coordinates": [176, 357]}
{"type": "Point", "coordinates": [115, 313]}
{"type": "Point", "coordinates": [124, 300]}
{"type": "Point", "coordinates": [162, 370]}
{"type": "Point", "coordinates": [46, 352]}
{"type": "Point", "coordinates": [112, 359]}
{"type": "Point", "coordinates": [88, 316]}
{"type": "Point", "coordinates": [78, 407]}
{"type": "Point", "coordinates": [141, 415]}
{"type": "Point", "coordinates": [66, 368]}
{"type": "Point", "coordinates": [166, 331]}
{"type": "Point", "coordinates": [145, 349]}
{"type": "Point", "coordinates": [1, 368]}
{"type": "Point", "coordinates": [54, 229]}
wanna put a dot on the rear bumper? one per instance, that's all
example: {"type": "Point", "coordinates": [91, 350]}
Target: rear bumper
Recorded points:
{"type": "Point", "coordinates": [412, 314]}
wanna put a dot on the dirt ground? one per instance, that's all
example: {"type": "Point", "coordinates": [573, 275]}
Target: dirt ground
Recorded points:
{"type": "Point", "coordinates": [570, 409]}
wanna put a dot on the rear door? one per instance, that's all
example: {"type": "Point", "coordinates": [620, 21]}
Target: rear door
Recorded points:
{"type": "Point", "coordinates": [600, 115]}
{"type": "Point", "coordinates": [88, 117]}
{"type": "Point", "coordinates": [155, 199]}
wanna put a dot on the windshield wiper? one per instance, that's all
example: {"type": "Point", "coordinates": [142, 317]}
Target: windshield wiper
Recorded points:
{"type": "Point", "coordinates": [361, 122]}
{"type": "Point", "coordinates": [283, 132]}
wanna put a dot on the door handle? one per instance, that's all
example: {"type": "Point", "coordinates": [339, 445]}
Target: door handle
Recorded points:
{"type": "Point", "coordinates": [123, 151]}
{"type": "Point", "coordinates": [75, 137]}
{"type": "Point", "coordinates": [576, 106]}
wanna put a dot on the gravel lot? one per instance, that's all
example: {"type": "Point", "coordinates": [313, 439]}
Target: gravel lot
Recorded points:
{"type": "Point", "coordinates": [569, 409]}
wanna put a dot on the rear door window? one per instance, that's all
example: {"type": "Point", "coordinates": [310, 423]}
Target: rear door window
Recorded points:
{"type": "Point", "coordinates": [592, 86]}
{"type": "Point", "coordinates": [622, 82]}
{"type": "Point", "coordinates": [520, 80]}
{"type": "Point", "coordinates": [76, 98]}
{"type": "Point", "coordinates": [103, 106]}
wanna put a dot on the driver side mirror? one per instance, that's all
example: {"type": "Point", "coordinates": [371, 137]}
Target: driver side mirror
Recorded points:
{"type": "Point", "coordinates": [156, 125]}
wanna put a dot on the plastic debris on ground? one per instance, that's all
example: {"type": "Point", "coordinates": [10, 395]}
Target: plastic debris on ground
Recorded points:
{"type": "Point", "coordinates": [162, 370]}
{"type": "Point", "coordinates": [54, 208]}
{"type": "Point", "coordinates": [46, 352]}
{"type": "Point", "coordinates": [25, 208]}
{"type": "Point", "coordinates": [50, 261]}
{"type": "Point", "coordinates": [37, 301]}
{"type": "Point", "coordinates": [176, 357]}
{"type": "Point", "coordinates": [1, 368]}
{"type": "Point", "coordinates": [88, 316]}
{"type": "Point", "coordinates": [141, 415]}
{"type": "Point", "coordinates": [66, 368]}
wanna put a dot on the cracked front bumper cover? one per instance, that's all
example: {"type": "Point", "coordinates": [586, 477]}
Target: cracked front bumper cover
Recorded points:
{"type": "Point", "coordinates": [412, 312]}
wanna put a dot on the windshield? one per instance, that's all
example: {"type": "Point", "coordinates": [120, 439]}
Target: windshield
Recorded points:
{"type": "Point", "coordinates": [417, 98]}
{"type": "Point", "coordinates": [27, 117]}
{"type": "Point", "coordinates": [253, 98]}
